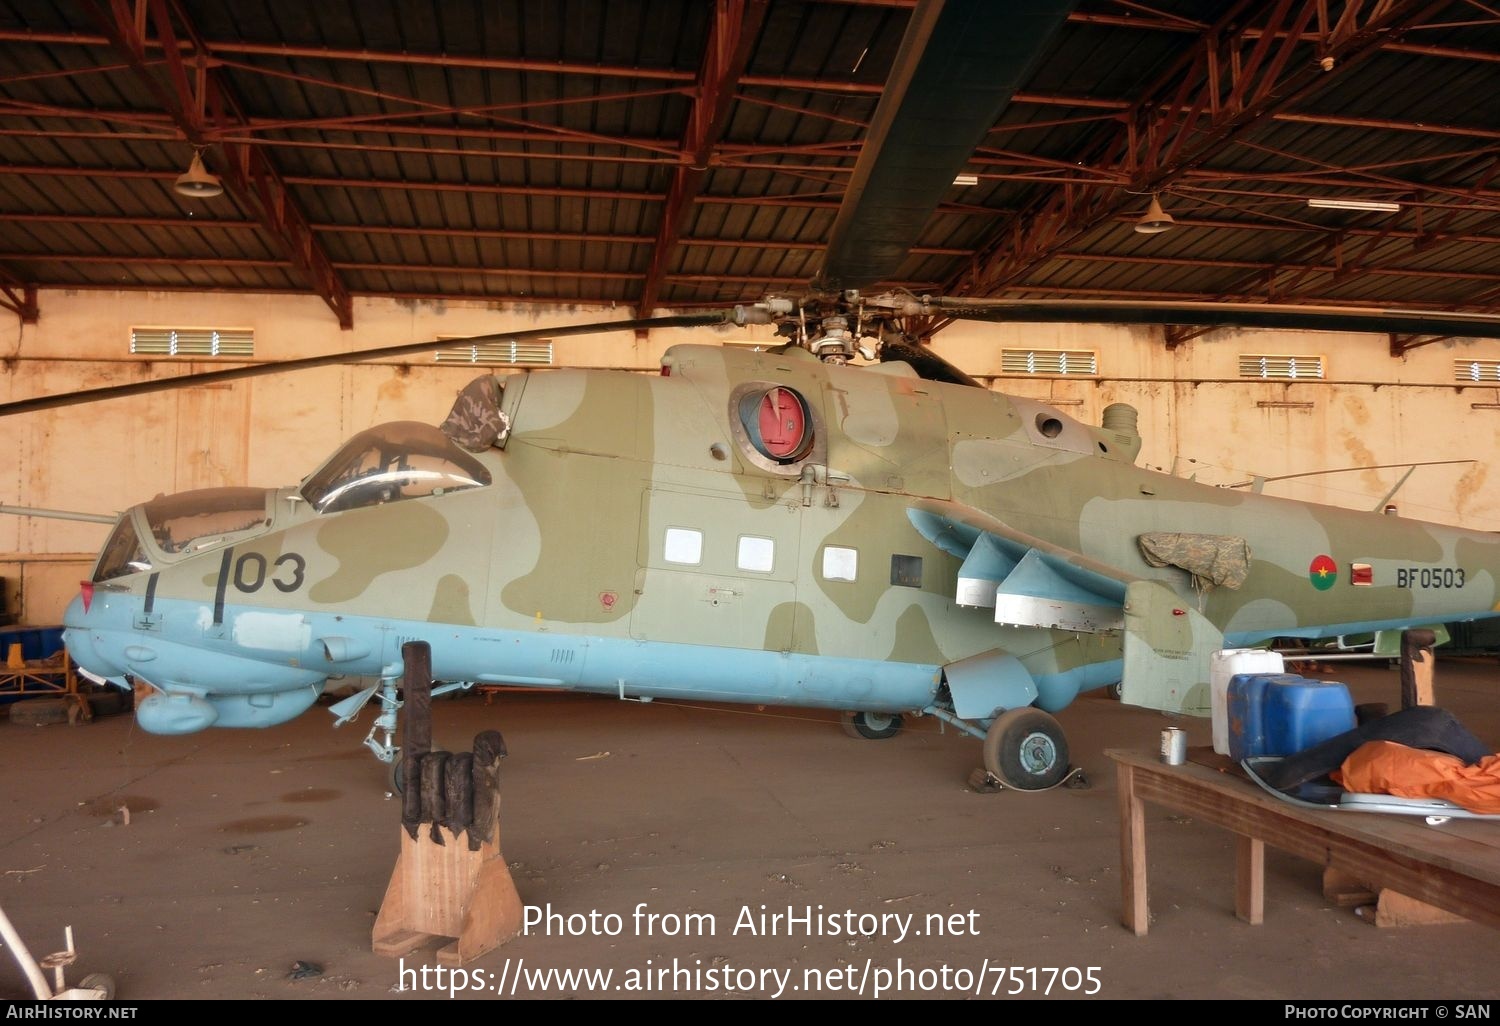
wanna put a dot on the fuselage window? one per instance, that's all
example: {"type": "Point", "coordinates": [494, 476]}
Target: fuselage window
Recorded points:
{"type": "Point", "coordinates": [906, 571]}
{"type": "Point", "coordinates": [683, 545]}
{"type": "Point", "coordinates": [840, 564]}
{"type": "Point", "coordinates": [758, 555]}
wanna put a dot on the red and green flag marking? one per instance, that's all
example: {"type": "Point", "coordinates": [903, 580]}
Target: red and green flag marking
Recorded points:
{"type": "Point", "coordinates": [1323, 572]}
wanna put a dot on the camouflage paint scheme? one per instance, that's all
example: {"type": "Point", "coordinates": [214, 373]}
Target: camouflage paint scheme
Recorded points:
{"type": "Point", "coordinates": [556, 573]}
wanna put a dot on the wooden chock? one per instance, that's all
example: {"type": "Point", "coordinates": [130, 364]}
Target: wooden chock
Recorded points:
{"type": "Point", "coordinates": [440, 891]}
{"type": "Point", "coordinates": [1396, 909]}
{"type": "Point", "coordinates": [1417, 665]}
{"type": "Point", "coordinates": [1345, 889]}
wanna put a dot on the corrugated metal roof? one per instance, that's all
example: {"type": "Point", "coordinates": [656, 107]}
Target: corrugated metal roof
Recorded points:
{"type": "Point", "coordinates": [511, 150]}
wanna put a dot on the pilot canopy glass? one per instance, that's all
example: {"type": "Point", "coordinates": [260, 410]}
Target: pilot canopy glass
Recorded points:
{"type": "Point", "coordinates": [403, 460]}
{"type": "Point", "coordinates": [194, 520]}
{"type": "Point", "coordinates": [179, 525]}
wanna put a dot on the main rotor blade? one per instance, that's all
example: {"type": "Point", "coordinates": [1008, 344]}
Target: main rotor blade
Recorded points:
{"type": "Point", "coordinates": [1242, 315]}
{"type": "Point", "coordinates": [958, 66]}
{"type": "Point", "coordinates": [924, 361]}
{"type": "Point", "coordinates": [58, 514]}
{"type": "Point", "coordinates": [93, 395]}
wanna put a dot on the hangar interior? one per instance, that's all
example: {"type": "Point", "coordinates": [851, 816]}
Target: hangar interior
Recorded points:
{"type": "Point", "coordinates": [188, 187]}
{"type": "Point", "coordinates": [389, 176]}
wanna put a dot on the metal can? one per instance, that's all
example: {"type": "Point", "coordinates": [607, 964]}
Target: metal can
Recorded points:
{"type": "Point", "coordinates": [1174, 746]}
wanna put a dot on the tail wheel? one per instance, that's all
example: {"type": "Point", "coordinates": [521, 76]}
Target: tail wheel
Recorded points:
{"type": "Point", "coordinates": [871, 726]}
{"type": "Point", "coordinates": [1025, 750]}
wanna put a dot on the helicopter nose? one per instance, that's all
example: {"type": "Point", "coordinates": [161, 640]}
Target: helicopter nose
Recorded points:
{"type": "Point", "coordinates": [83, 644]}
{"type": "Point", "coordinates": [83, 651]}
{"type": "Point", "coordinates": [76, 611]}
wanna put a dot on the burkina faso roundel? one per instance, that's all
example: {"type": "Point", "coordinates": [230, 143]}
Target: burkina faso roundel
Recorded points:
{"type": "Point", "coordinates": [1323, 572]}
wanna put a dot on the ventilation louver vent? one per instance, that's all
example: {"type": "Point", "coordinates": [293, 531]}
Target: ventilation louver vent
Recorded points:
{"type": "Point", "coordinates": [504, 354]}
{"type": "Point", "coordinates": [1280, 367]}
{"type": "Point", "coordinates": [1476, 370]}
{"type": "Point", "coordinates": [192, 341]}
{"type": "Point", "coordinates": [1049, 361]}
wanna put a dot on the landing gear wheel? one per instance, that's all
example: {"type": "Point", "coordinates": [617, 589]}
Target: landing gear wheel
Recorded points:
{"type": "Point", "coordinates": [1026, 750]}
{"type": "Point", "coordinates": [102, 982]}
{"type": "Point", "coordinates": [395, 774]}
{"type": "Point", "coordinates": [871, 726]}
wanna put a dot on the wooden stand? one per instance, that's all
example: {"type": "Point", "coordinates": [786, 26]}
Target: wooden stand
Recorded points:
{"type": "Point", "coordinates": [445, 890]}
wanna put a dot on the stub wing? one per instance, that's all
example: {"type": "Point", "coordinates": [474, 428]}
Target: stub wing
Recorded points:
{"type": "Point", "coordinates": [1029, 582]}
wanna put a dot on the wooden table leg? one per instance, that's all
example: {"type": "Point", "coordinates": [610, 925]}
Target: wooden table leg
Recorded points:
{"type": "Point", "coordinates": [1135, 913]}
{"type": "Point", "coordinates": [1250, 879]}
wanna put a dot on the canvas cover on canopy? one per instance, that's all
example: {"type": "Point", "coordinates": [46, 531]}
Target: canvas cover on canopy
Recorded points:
{"type": "Point", "coordinates": [476, 421]}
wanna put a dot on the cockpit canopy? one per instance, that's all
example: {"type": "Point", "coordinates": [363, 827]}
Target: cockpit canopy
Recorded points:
{"type": "Point", "coordinates": [401, 460]}
{"type": "Point", "coordinates": [179, 525]}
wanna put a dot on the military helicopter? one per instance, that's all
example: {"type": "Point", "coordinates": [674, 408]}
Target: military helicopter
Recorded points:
{"type": "Point", "coordinates": [775, 526]}
{"type": "Point", "coordinates": [840, 519]}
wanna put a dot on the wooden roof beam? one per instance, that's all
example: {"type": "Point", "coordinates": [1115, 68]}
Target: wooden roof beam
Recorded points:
{"type": "Point", "coordinates": [1234, 78]}
{"type": "Point", "coordinates": [194, 98]}
{"type": "Point", "coordinates": [1403, 344]}
{"type": "Point", "coordinates": [1178, 334]}
{"type": "Point", "coordinates": [731, 40]}
{"type": "Point", "coordinates": [19, 297]}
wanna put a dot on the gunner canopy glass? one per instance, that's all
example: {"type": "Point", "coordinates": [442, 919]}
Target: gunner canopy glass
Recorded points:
{"type": "Point", "coordinates": [404, 460]}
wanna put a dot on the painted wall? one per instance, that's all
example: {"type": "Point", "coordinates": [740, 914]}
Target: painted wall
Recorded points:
{"type": "Point", "coordinates": [1196, 416]}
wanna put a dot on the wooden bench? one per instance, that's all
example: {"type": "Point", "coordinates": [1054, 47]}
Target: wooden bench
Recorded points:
{"type": "Point", "coordinates": [1454, 867]}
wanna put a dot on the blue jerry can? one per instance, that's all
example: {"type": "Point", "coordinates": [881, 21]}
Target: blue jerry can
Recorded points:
{"type": "Point", "coordinates": [1248, 695]}
{"type": "Point", "coordinates": [1304, 713]}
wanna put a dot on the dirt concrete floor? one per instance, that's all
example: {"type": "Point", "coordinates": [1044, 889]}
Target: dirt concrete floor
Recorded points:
{"type": "Point", "coordinates": [247, 852]}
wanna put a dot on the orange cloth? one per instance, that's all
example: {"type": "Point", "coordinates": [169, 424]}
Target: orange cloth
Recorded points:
{"type": "Point", "coordinates": [1385, 767]}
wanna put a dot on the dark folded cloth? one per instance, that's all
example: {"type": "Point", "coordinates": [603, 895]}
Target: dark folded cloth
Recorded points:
{"type": "Point", "coordinates": [1422, 726]}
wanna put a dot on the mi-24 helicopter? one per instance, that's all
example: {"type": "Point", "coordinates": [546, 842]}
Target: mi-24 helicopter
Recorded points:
{"type": "Point", "coordinates": [781, 526]}
{"type": "Point", "coordinates": [777, 526]}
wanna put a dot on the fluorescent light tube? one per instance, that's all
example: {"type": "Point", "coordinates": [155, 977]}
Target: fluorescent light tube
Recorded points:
{"type": "Point", "coordinates": [1353, 204]}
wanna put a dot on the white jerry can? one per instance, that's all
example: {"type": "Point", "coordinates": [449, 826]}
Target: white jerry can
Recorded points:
{"type": "Point", "coordinates": [1225, 663]}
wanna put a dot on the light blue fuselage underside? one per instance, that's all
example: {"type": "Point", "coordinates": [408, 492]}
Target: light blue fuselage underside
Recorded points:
{"type": "Point", "coordinates": [179, 653]}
